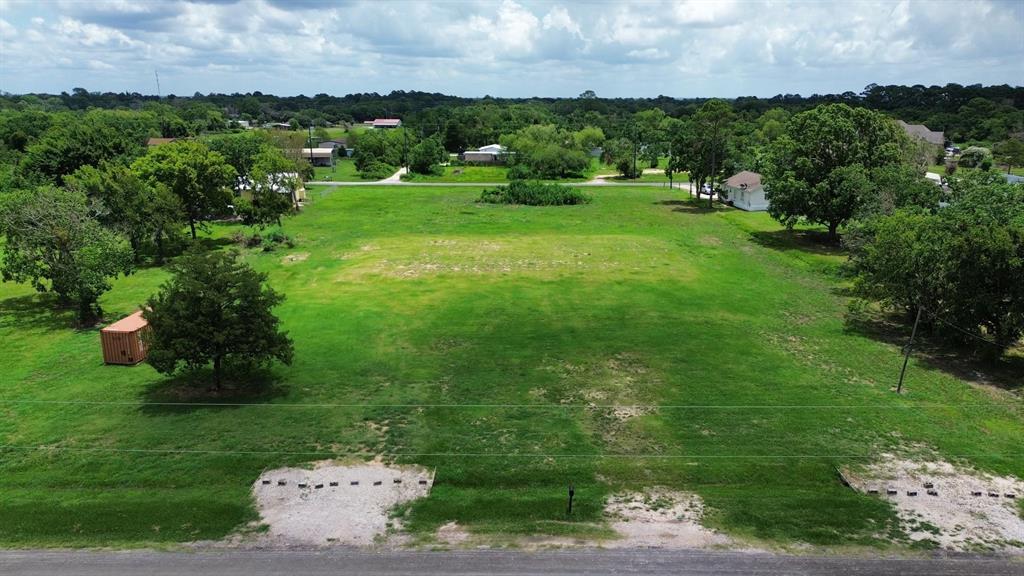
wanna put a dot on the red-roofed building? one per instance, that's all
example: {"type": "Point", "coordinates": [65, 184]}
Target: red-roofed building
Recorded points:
{"type": "Point", "coordinates": [386, 123]}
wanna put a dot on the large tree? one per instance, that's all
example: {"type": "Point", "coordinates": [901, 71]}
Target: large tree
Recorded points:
{"type": "Point", "coordinates": [149, 215]}
{"type": "Point", "coordinates": [963, 264]}
{"type": "Point", "coordinates": [214, 310]}
{"type": "Point", "coordinates": [273, 183]}
{"type": "Point", "coordinates": [820, 146]}
{"type": "Point", "coordinates": [701, 146]}
{"type": "Point", "coordinates": [198, 176]}
{"type": "Point", "coordinates": [427, 156]}
{"type": "Point", "coordinates": [53, 244]}
{"type": "Point", "coordinates": [547, 151]}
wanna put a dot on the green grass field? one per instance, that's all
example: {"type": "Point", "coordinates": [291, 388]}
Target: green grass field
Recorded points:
{"type": "Point", "coordinates": [487, 342]}
{"type": "Point", "coordinates": [344, 170]}
{"type": "Point", "coordinates": [941, 169]}
{"type": "Point", "coordinates": [465, 174]}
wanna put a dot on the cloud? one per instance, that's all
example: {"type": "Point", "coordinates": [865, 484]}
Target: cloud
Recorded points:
{"type": "Point", "coordinates": [510, 47]}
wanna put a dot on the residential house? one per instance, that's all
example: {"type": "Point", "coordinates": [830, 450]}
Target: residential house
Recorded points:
{"type": "Point", "coordinates": [337, 144]}
{"type": "Point", "coordinates": [385, 123]}
{"type": "Point", "coordinates": [490, 154]}
{"type": "Point", "coordinates": [921, 132]}
{"type": "Point", "coordinates": [319, 156]}
{"type": "Point", "coordinates": [745, 191]}
{"type": "Point", "coordinates": [154, 142]}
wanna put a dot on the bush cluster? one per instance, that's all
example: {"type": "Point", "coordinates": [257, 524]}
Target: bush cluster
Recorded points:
{"type": "Point", "coordinates": [533, 193]}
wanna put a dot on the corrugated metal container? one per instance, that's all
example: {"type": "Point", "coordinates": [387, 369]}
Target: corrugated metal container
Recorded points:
{"type": "Point", "coordinates": [122, 340]}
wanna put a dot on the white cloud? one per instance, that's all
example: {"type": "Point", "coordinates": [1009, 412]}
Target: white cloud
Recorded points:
{"type": "Point", "coordinates": [512, 47]}
{"type": "Point", "coordinates": [99, 65]}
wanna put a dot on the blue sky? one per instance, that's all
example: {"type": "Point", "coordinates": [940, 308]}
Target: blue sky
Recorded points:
{"type": "Point", "coordinates": [507, 47]}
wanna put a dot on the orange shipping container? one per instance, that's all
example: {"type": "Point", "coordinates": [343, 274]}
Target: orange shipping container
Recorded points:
{"type": "Point", "coordinates": [122, 340]}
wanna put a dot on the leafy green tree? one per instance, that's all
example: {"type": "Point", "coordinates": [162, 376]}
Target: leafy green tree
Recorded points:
{"type": "Point", "coordinates": [273, 184]}
{"type": "Point", "coordinates": [426, 157]}
{"type": "Point", "coordinates": [899, 186]}
{"type": "Point", "coordinates": [702, 144]}
{"type": "Point", "coordinates": [798, 173]}
{"type": "Point", "coordinates": [963, 264]}
{"type": "Point", "coordinates": [76, 140]}
{"type": "Point", "coordinates": [546, 151]}
{"type": "Point", "coordinates": [620, 153]}
{"type": "Point", "coordinates": [976, 157]}
{"type": "Point", "coordinates": [146, 214]}
{"type": "Point", "coordinates": [1009, 153]}
{"type": "Point", "coordinates": [54, 245]}
{"type": "Point", "coordinates": [651, 135]}
{"type": "Point", "coordinates": [198, 176]}
{"type": "Point", "coordinates": [240, 151]}
{"type": "Point", "coordinates": [215, 310]}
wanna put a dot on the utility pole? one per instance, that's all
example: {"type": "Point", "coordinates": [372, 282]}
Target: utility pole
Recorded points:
{"type": "Point", "coordinates": [310, 132]}
{"type": "Point", "coordinates": [405, 147]}
{"type": "Point", "coordinates": [906, 351]}
{"type": "Point", "coordinates": [714, 150]}
{"type": "Point", "coordinates": [157, 74]}
{"type": "Point", "coordinates": [669, 169]}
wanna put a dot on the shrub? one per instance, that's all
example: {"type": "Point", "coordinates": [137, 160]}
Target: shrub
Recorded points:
{"type": "Point", "coordinates": [532, 193]}
{"type": "Point", "coordinates": [520, 172]}
{"type": "Point", "coordinates": [377, 171]}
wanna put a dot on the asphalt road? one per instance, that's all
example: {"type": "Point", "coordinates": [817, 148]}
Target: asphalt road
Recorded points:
{"type": "Point", "coordinates": [480, 562]}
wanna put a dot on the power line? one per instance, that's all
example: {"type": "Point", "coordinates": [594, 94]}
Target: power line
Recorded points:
{"type": "Point", "coordinates": [964, 330]}
{"type": "Point", "coordinates": [502, 405]}
{"type": "Point", "coordinates": [646, 456]}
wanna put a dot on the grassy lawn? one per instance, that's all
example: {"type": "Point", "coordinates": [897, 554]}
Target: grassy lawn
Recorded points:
{"type": "Point", "coordinates": [344, 170]}
{"type": "Point", "coordinates": [465, 174]}
{"type": "Point", "coordinates": [659, 177]}
{"type": "Point", "coordinates": [941, 169]}
{"type": "Point", "coordinates": [513, 329]}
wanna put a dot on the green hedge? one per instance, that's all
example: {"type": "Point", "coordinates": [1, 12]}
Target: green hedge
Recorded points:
{"type": "Point", "coordinates": [534, 194]}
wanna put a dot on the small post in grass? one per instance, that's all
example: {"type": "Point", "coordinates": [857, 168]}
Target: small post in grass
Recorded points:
{"type": "Point", "coordinates": [572, 493]}
{"type": "Point", "coordinates": [906, 351]}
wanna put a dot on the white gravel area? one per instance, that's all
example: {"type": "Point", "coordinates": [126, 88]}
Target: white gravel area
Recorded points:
{"type": "Point", "coordinates": [967, 509]}
{"type": "Point", "coordinates": [660, 518]}
{"type": "Point", "coordinates": [335, 503]}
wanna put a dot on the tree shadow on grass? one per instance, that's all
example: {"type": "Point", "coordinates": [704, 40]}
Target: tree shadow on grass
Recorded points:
{"type": "Point", "coordinates": [813, 241]}
{"type": "Point", "coordinates": [35, 311]}
{"type": "Point", "coordinates": [192, 391]}
{"type": "Point", "coordinates": [207, 243]}
{"type": "Point", "coordinates": [690, 206]}
{"type": "Point", "coordinates": [1006, 372]}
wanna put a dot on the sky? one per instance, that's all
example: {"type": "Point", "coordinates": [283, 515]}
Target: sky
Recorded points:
{"type": "Point", "coordinates": [506, 48]}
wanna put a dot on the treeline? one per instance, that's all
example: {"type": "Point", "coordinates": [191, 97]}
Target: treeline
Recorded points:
{"type": "Point", "coordinates": [968, 114]}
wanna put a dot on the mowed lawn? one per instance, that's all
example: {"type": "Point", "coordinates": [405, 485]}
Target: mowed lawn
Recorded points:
{"type": "Point", "coordinates": [499, 346]}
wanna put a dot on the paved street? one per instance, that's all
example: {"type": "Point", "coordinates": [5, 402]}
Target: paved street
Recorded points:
{"type": "Point", "coordinates": [479, 562]}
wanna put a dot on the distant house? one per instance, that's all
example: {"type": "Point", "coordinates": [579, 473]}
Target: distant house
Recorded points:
{"type": "Point", "coordinates": [745, 191]}
{"type": "Point", "coordinates": [278, 126]}
{"type": "Point", "coordinates": [921, 132]}
{"type": "Point", "coordinates": [319, 156]}
{"type": "Point", "coordinates": [154, 142]}
{"type": "Point", "coordinates": [242, 123]}
{"type": "Point", "coordinates": [1014, 179]}
{"type": "Point", "coordinates": [284, 182]}
{"type": "Point", "coordinates": [384, 123]}
{"type": "Point", "coordinates": [490, 154]}
{"type": "Point", "coordinates": [339, 143]}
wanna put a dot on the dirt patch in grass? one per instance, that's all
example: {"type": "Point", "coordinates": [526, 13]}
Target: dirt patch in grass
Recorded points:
{"type": "Point", "coordinates": [967, 509]}
{"type": "Point", "coordinates": [296, 257]}
{"type": "Point", "coordinates": [451, 534]}
{"type": "Point", "coordinates": [334, 503]}
{"type": "Point", "coordinates": [660, 518]}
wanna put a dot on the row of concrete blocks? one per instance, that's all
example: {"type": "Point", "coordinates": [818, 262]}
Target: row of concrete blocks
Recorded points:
{"type": "Point", "coordinates": [266, 482]}
{"type": "Point", "coordinates": [931, 491]}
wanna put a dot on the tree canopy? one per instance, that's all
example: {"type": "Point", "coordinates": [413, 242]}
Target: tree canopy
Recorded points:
{"type": "Point", "coordinates": [214, 310]}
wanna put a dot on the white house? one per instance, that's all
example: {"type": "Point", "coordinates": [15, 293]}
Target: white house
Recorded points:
{"type": "Point", "coordinates": [745, 191]}
{"type": "Point", "coordinates": [490, 154]}
{"type": "Point", "coordinates": [380, 123]}
{"type": "Point", "coordinates": [319, 156]}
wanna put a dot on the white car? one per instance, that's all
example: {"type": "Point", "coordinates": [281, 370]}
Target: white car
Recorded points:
{"type": "Point", "coordinates": [706, 189]}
